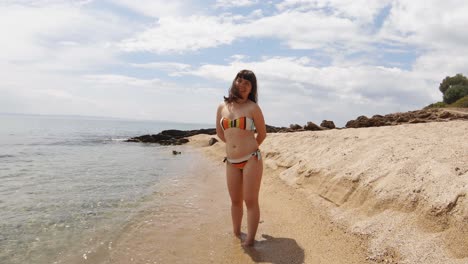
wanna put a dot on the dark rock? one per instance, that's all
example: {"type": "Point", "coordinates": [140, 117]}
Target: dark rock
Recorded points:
{"type": "Point", "coordinates": [176, 141]}
{"type": "Point", "coordinates": [402, 119]}
{"type": "Point", "coordinates": [445, 115]}
{"type": "Point", "coordinates": [455, 117]}
{"type": "Point", "coordinates": [295, 127]}
{"type": "Point", "coordinates": [312, 127]}
{"type": "Point", "coordinates": [416, 121]}
{"type": "Point", "coordinates": [412, 117]}
{"type": "Point", "coordinates": [171, 137]}
{"type": "Point", "coordinates": [424, 115]}
{"type": "Point", "coordinates": [328, 124]}
{"type": "Point", "coordinates": [390, 117]}
{"type": "Point", "coordinates": [152, 138]}
{"type": "Point", "coordinates": [361, 121]}
{"type": "Point", "coordinates": [173, 133]}
{"type": "Point", "coordinates": [273, 129]}
{"type": "Point", "coordinates": [175, 152]}
{"type": "Point", "coordinates": [212, 141]}
{"type": "Point", "coordinates": [351, 124]}
{"type": "Point", "coordinates": [376, 122]}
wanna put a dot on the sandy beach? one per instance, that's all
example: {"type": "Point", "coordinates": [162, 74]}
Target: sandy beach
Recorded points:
{"type": "Point", "coordinates": [369, 195]}
{"type": "Point", "coordinates": [291, 230]}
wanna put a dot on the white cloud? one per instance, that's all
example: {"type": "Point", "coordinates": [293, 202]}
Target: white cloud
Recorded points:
{"type": "Point", "coordinates": [59, 37]}
{"type": "Point", "coordinates": [165, 66]}
{"type": "Point", "coordinates": [435, 29]}
{"type": "Point", "coordinates": [363, 11]}
{"type": "Point", "coordinates": [126, 81]}
{"type": "Point", "coordinates": [238, 3]}
{"type": "Point", "coordinates": [430, 24]}
{"type": "Point", "coordinates": [297, 29]}
{"type": "Point", "coordinates": [159, 8]}
{"type": "Point", "coordinates": [436, 65]}
{"type": "Point", "coordinates": [40, 3]}
{"type": "Point", "coordinates": [179, 34]}
{"type": "Point", "coordinates": [309, 31]}
{"type": "Point", "coordinates": [335, 27]}
{"type": "Point", "coordinates": [239, 57]}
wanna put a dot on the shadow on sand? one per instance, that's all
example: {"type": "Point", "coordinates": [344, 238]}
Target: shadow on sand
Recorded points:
{"type": "Point", "coordinates": [277, 250]}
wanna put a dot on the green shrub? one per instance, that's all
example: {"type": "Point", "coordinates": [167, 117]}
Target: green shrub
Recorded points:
{"type": "Point", "coordinates": [454, 93]}
{"type": "Point", "coordinates": [462, 102]}
{"type": "Point", "coordinates": [452, 81]}
{"type": "Point", "coordinates": [436, 105]}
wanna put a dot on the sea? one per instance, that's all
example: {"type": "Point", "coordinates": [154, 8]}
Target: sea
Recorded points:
{"type": "Point", "coordinates": [68, 184]}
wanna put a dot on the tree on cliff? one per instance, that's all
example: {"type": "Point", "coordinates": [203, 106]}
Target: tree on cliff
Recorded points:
{"type": "Point", "coordinates": [449, 81]}
{"type": "Point", "coordinates": [454, 88]}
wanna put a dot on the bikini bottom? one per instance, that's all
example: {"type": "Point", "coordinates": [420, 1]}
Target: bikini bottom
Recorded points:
{"type": "Point", "coordinates": [240, 163]}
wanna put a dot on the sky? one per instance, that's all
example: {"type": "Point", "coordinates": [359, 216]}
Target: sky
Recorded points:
{"type": "Point", "coordinates": [175, 60]}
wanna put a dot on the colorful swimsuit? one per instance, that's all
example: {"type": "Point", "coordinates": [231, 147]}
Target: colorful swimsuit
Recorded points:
{"type": "Point", "coordinates": [240, 163]}
{"type": "Point", "coordinates": [244, 123]}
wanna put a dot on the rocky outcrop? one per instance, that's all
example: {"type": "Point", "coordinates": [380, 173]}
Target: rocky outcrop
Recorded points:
{"type": "Point", "coordinates": [411, 117]}
{"type": "Point", "coordinates": [178, 137]}
{"type": "Point", "coordinates": [295, 126]}
{"type": "Point", "coordinates": [311, 126]}
{"type": "Point", "coordinates": [328, 124]}
{"type": "Point", "coordinates": [273, 129]}
{"type": "Point", "coordinates": [172, 137]}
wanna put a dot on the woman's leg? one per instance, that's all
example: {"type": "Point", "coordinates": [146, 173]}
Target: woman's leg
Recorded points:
{"type": "Point", "coordinates": [252, 176]}
{"type": "Point", "coordinates": [234, 183]}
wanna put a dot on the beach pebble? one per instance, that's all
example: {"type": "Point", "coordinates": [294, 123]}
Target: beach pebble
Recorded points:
{"type": "Point", "coordinates": [212, 141]}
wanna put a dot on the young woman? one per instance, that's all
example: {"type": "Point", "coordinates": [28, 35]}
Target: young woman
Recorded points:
{"type": "Point", "coordinates": [237, 119]}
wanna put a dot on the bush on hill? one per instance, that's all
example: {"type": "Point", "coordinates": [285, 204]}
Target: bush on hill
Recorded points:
{"type": "Point", "coordinates": [451, 81]}
{"type": "Point", "coordinates": [436, 105]}
{"type": "Point", "coordinates": [462, 102]}
{"type": "Point", "coordinates": [455, 92]}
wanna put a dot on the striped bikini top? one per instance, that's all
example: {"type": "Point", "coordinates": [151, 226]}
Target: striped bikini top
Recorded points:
{"type": "Point", "coordinates": [244, 122]}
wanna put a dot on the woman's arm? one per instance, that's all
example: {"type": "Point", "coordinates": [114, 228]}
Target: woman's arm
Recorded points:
{"type": "Point", "coordinates": [259, 124]}
{"type": "Point", "coordinates": [219, 130]}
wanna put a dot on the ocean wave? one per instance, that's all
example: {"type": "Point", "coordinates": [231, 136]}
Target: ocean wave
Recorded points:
{"type": "Point", "coordinates": [6, 156]}
{"type": "Point", "coordinates": [118, 139]}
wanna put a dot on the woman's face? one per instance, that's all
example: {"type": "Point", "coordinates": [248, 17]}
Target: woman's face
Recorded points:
{"type": "Point", "coordinates": [244, 87]}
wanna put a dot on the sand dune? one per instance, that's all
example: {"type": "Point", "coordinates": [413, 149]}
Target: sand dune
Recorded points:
{"type": "Point", "coordinates": [403, 187]}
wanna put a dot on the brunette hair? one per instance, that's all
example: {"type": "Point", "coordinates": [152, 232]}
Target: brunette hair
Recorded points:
{"type": "Point", "coordinates": [234, 94]}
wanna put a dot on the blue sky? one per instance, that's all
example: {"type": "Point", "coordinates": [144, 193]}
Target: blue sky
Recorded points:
{"type": "Point", "coordinates": [174, 60]}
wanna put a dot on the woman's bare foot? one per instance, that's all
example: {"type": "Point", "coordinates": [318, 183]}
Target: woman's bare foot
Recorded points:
{"type": "Point", "coordinates": [241, 236]}
{"type": "Point", "coordinates": [248, 243]}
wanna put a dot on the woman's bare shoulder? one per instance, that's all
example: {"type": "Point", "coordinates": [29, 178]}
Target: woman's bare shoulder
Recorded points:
{"type": "Point", "coordinates": [254, 106]}
{"type": "Point", "coordinates": [221, 105]}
